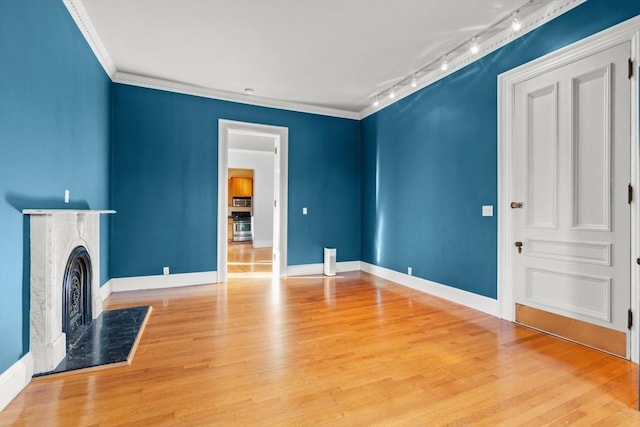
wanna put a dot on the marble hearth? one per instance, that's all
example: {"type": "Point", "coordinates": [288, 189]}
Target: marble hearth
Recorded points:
{"type": "Point", "coordinates": [54, 236]}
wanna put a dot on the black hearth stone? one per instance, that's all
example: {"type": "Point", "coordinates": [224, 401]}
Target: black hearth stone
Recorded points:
{"type": "Point", "coordinates": [108, 339]}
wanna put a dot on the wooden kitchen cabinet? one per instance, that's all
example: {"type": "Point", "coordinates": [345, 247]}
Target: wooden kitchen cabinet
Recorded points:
{"type": "Point", "coordinates": [241, 187]}
{"type": "Point", "coordinates": [229, 229]}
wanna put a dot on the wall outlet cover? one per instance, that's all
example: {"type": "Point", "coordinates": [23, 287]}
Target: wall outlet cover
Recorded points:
{"type": "Point", "coordinates": [487, 210]}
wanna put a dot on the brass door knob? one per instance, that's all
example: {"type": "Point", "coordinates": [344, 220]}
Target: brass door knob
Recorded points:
{"type": "Point", "coordinates": [519, 246]}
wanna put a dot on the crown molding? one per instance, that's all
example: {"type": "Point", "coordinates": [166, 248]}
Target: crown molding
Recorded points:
{"type": "Point", "coordinates": [529, 23]}
{"type": "Point", "coordinates": [506, 36]}
{"type": "Point", "coordinates": [184, 88]}
{"type": "Point", "coordinates": [82, 20]}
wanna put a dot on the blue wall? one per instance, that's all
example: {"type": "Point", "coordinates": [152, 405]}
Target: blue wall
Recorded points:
{"type": "Point", "coordinates": [402, 187]}
{"type": "Point", "coordinates": [430, 161]}
{"type": "Point", "coordinates": [164, 181]}
{"type": "Point", "coordinates": [54, 135]}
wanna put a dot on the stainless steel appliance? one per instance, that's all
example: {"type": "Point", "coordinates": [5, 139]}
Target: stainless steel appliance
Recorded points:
{"type": "Point", "coordinates": [241, 202]}
{"type": "Point", "coordinates": [242, 227]}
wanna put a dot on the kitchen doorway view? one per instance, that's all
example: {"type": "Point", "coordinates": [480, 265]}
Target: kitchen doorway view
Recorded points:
{"type": "Point", "coordinates": [252, 200]}
{"type": "Point", "coordinates": [250, 218]}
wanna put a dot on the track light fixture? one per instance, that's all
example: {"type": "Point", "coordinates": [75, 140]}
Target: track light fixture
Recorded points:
{"type": "Point", "coordinates": [516, 25]}
{"type": "Point", "coordinates": [445, 64]}
{"type": "Point", "coordinates": [442, 62]}
{"type": "Point", "coordinates": [474, 48]}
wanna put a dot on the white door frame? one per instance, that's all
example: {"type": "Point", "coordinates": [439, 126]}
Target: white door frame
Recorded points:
{"type": "Point", "coordinates": [225, 128]}
{"type": "Point", "coordinates": [626, 31]}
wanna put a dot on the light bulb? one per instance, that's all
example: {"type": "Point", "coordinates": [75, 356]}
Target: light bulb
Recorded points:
{"type": "Point", "coordinates": [445, 64]}
{"type": "Point", "coordinates": [392, 94]}
{"type": "Point", "coordinates": [516, 25]}
{"type": "Point", "coordinates": [474, 46]}
{"type": "Point", "coordinates": [376, 102]}
{"type": "Point", "coordinates": [414, 81]}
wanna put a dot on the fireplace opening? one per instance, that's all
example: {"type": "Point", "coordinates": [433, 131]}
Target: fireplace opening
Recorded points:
{"type": "Point", "coordinates": [76, 295]}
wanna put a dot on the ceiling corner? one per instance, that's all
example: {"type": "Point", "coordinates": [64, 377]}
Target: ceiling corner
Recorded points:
{"type": "Point", "coordinates": [82, 20]}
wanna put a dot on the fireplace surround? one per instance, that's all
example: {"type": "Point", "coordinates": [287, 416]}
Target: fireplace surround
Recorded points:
{"type": "Point", "coordinates": [59, 237]}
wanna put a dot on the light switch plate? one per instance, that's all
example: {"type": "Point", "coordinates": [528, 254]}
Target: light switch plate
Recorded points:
{"type": "Point", "coordinates": [487, 210]}
{"type": "Point", "coordinates": [304, 211]}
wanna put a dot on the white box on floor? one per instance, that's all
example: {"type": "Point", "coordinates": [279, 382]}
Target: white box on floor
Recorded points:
{"type": "Point", "coordinates": [329, 261]}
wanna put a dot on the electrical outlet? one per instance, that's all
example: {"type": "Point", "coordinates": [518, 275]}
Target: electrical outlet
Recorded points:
{"type": "Point", "coordinates": [409, 271]}
{"type": "Point", "coordinates": [487, 210]}
{"type": "Point", "coordinates": [66, 196]}
{"type": "Point", "coordinates": [304, 211]}
{"type": "Point", "coordinates": [165, 270]}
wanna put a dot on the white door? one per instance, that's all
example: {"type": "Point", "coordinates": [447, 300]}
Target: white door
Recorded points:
{"type": "Point", "coordinates": [571, 175]}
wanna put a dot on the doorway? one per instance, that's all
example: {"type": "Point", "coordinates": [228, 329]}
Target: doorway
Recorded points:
{"type": "Point", "coordinates": [276, 140]}
{"type": "Point", "coordinates": [568, 158]}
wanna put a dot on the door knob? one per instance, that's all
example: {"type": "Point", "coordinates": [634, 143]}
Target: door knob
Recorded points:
{"type": "Point", "coordinates": [519, 246]}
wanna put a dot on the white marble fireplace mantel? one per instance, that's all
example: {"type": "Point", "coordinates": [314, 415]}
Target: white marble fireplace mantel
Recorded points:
{"type": "Point", "coordinates": [55, 233]}
{"type": "Point", "coordinates": [65, 211]}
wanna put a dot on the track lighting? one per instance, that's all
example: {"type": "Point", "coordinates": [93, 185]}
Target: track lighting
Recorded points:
{"type": "Point", "coordinates": [474, 48]}
{"type": "Point", "coordinates": [509, 20]}
{"type": "Point", "coordinates": [516, 25]}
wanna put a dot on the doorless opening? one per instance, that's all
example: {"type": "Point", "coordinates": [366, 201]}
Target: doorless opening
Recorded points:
{"type": "Point", "coordinates": [279, 135]}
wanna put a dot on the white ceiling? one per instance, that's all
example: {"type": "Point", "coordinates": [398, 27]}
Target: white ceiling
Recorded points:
{"type": "Point", "coordinates": [325, 53]}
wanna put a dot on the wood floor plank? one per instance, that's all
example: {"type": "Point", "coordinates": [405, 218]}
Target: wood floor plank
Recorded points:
{"type": "Point", "coordinates": [350, 350]}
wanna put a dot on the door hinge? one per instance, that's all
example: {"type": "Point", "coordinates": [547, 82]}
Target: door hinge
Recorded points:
{"type": "Point", "coordinates": [629, 319]}
{"type": "Point", "coordinates": [274, 203]}
{"type": "Point", "coordinates": [516, 205]}
{"type": "Point", "coordinates": [630, 68]}
{"type": "Point", "coordinates": [629, 193]}
{"type": "Point", "coordinates": [275, 150]}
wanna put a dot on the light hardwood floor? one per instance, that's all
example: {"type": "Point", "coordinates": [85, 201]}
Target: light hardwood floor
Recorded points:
{"type": "Point", "coordinates": [349, 350]}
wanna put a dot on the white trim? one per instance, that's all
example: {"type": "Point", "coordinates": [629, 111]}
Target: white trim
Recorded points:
{"type": "Point", "coordinates": [281, 134]}
{"type": "Point", "coordinates": [309, 269]}
{"type": "Point", "coordinates": [124, 284]}
{"type": "Point", "coordinates": [458, 296]}
{"type": "Point", "coordinates": [185, 88]}
{"type": "Point", "coordinates": [503, 38]}
{"type": "Point", "coordinates": [82, 20]}
{"type": "Point", "coordinates": [106, 290]}
{"type": "Point", "coordinates": [623, 32]}
{"type": "Point", "coordinates": [14, 379]}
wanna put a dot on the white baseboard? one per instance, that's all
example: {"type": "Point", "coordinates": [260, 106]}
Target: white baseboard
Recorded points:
{"type": "Point", "coordinates": [262, 243]}
{"type": "Point", "coordinates": [458, 296]}
{"type": "Point", "coordinates": [309, 269]}
{"type": "Point", "coordinates": [105, 290]}
{"type": "Point", "coordinates": [14, 379]}
{"type": "Point", "coordinates": [124, 284]}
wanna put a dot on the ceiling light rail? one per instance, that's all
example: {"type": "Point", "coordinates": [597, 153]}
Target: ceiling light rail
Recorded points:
{"type": "Point", "coordinates": [442, 63]}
